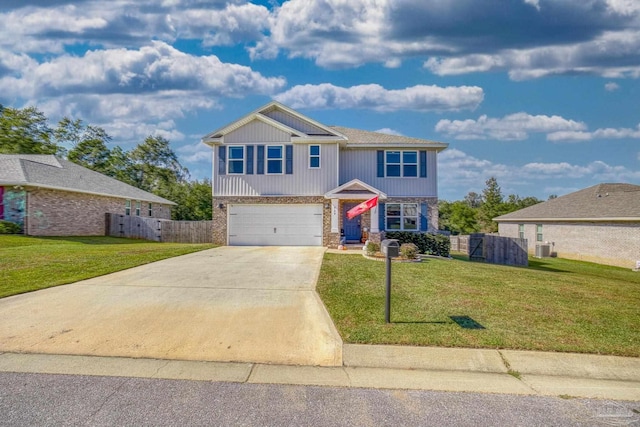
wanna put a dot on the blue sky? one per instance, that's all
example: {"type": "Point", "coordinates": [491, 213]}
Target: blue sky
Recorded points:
{"type": "Point", "coordinates": [542, 94]}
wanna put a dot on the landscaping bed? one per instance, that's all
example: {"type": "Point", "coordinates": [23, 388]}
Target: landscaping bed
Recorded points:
{"type": "Point", "coordinates": [553, 305]}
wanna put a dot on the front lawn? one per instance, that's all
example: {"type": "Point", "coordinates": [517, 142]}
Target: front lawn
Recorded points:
{"type": "Point", "coordinates": [32, 263]}
{"type": "Point", "coordinates": [553, 305]}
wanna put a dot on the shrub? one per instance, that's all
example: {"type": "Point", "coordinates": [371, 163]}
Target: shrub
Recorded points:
{"type": "Point", "coordinates": [427, 243]}
{"type": "Point", "coordinates": [409, 251]}
{"type": "Point", "coordinates": [372, 248]}
{"type": "Point", "coordinates": [7, 227]}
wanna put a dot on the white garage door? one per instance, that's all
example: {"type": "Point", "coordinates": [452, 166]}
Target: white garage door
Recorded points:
{"type": "Point", "coordinates": [275, 225]}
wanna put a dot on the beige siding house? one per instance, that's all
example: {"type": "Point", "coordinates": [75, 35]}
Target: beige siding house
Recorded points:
{"type": "Point", "coordinates": [49, 196]}
{"type": "Point", "coordinates": [281, 178]}
{"type": "Point", "coordinates": [598, 224]}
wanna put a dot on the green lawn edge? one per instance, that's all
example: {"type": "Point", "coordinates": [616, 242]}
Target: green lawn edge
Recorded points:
{"type": "Point", "coordinates": [32, 263]}
{"type": "Point", "coordinates": [552, 305]}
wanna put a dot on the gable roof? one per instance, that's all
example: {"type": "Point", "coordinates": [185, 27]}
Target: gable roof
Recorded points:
{"type": "Point", "coordinates": [362, 138]}
{"type": "Point", "coordinates": [299, 126]}
{"type": "Point", "coordinates": [602, 202]}
{"type": "Point", "coordinates": [354, 189]}
{"type": "Point", "coordinates": [48, 171]}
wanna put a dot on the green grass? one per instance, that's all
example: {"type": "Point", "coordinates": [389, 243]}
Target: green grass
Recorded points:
{"type": "Point", "coordinates": [553, 305]}
{"type": "Point", "coordinates": [32, 263]}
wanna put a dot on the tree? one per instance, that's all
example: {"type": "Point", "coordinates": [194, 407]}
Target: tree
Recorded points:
{"type": "Point", "coordinates": [458, 217]}
{"type": "Point", "coordinates": [26, 131]}
{"type": "Point", "coordinates": [492, 206]}
{"type": "Point", "coordinates": [155, 166]}
{"type": "Point", "coordinates": [473, 200]}
{"type": "Point", "coordinates": [194, 201]}
{"type": "Point", "coordinates": [89, 144]}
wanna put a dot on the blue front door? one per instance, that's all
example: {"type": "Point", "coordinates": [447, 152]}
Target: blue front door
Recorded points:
{"type": "Point", "coordinates": [351, 226]}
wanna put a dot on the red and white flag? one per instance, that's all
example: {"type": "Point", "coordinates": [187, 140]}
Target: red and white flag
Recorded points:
{"type": "Point", "coordinates": [362, 207]}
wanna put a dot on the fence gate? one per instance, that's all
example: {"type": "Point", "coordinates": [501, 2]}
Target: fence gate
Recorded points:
{"type": "Point", "coordinates": [476, 247]}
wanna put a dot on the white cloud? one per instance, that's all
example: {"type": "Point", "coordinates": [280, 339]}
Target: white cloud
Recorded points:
{"type": "Point", "coordinates": [516, 126]}
{"type": "Point", "coordinates": [375, 97]}
{"type": "Point", "coordinates": [611, 86]}
{"type": "Point", "coordinates": [603, 133]}
{"type": "Point", "coordinates": [534, 3]}
{"type": "Point", "coordinates": [459, 173]}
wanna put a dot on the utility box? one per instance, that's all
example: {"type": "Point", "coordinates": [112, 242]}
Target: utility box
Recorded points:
{"type": "Point", "coordinates": [390, 248]}
{"type": "Point", "coordinates": [543, 251]}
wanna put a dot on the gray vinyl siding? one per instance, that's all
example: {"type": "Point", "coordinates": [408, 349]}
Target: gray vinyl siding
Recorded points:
{"type": "Point", "coordinates": [303, 181]}
{"type": "Point", "coordinates": [362, 164]}
{"type": "Point", "coordinates": [256, 132]}
{"type": "Point", "coordinates": [295, 122]}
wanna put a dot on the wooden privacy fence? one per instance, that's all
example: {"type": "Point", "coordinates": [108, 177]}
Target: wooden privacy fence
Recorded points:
{"type": "Point", "coordinates": [459, 243]}
{"type": "Point", "coordinates": [498, 249]}
{"type": "Point", "coordinates": [159, 230]}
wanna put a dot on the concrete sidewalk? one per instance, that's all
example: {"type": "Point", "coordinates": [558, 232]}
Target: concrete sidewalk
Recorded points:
{"type": "Point", "coordinates": [384, 367]}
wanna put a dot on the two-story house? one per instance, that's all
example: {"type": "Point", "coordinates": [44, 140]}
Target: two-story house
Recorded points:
{"type": "Point", "coordinates": [281, 178]}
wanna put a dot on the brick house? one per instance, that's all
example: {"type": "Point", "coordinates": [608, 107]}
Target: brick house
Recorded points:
{"type": "Point", "coordinates": [598, 224]}
{"type": "Point", "coordinates": [282, 178]}
{"type": "Point", "coordinates": [49, 196]}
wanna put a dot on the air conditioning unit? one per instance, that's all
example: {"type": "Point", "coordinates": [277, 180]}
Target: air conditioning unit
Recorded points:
{"type": "Point", "coordinates": [543, 251]}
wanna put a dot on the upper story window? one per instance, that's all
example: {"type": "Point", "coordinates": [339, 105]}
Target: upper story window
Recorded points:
{"type": "Point", "coordinates": [236, 160]}
{"type": "Point", "coordinates": [314, 156]}
{"type": "Point", "coordinates": [138, 207]}
{"type": "Point", "coordinates": [127, 207]}
{"type": "Point", "coordinates": [274, 159]}
{"type": "Point", "coordinates": [401, 163]}
{"type": "Point", "coordinates": [402, 216]}
{"type": "Point", "coordinates": [538, 232]}
{"type": "Point", "coordinates": [521, 231]}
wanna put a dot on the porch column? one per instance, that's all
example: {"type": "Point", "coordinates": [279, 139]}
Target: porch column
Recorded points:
{"type": "Point", "coordinates": [375, 221]}
{"type": "Point", "coordinates": [335, 218]}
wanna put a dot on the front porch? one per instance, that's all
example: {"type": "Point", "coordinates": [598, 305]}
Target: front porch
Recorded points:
{"type": "Point", "coordinates": [358, 230]}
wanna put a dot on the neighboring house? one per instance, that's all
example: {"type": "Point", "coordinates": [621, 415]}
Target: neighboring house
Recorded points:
{"type": "Point", "coordinates": [281, 178]}
{"type": "Point", "coordinates": [49, 196]}
{"type": "Point", "coordinates": [598, 224]}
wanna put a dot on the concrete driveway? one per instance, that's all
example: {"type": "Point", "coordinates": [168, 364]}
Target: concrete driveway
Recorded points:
{"type": "Point", "coordinates": [249, 304]}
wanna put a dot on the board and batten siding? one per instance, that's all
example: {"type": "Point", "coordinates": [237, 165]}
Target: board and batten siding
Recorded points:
{"type": "Point", "coordinates": [302, 182]}
{"type": "Point", "coordinates": [362, 164]}
{"type": "Point", "coordinates": [295, 122]}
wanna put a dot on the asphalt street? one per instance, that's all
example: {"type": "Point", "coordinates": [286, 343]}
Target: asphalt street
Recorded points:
{"type": "Point", "coordinates": [74, 400]}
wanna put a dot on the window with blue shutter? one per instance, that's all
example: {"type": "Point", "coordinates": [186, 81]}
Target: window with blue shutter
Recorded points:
{"type": "Point", "coordinates": [424, 212]}
{"type": "Point", "coordinates": [222, 160]}
{"type": "Point", "coordinates": [381, 216]}
{"type": "Point", "coordinates": [423, 164]}
{"type": "Point", "coordinates": [249, 160]}
{"type": "Point", "coordinates": [289, 159]}
{"type": "Point", "coordinates": [260, 162]}
{"type": "Point", "coordinates": [380, 155]}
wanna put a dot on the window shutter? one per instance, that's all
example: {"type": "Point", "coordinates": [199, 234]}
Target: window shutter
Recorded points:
{"type": "Point", "coordinates": [380, 154]}
{"type": "Point", "coordinates": [249, 160]}
{"type": "Point", "coordinates": [289, 159]}
{"type": "Point", "coordinates": [424, 223]}
{"type": "Point", "coordinates": [381, 216]}
{"type": "Point", "coordinates": [260, 164]}
{"type": "Point", "coordinates": [423, 164]}
{"type": "Point", "coordinates": [222, 160]}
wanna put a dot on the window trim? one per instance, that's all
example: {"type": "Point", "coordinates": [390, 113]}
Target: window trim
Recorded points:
{"type": "Point", "coordinates": [402, 163]}
{"type": "Point", "coordinates": [241, 160]}
{"type": "Point", "coordinates": [281, 159]}
{"type": "Point", "coordinates": [127, 207]}
{"type": "Point", "coordinates": [539, 234]}
{"type": "Point", "coordinates": [402, 217]}
{"type": "Point", "coordinates": [521, 231]}
{"type": "Point", "coordinates": [150, 210]}
{"type": "Point", "coordinates": [138, 207]}
{"type": "Point", "coordinates": [313, 156]}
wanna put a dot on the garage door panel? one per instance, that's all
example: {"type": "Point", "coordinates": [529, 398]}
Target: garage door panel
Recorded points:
{"type": "Point", "coordinates": [275, 225]}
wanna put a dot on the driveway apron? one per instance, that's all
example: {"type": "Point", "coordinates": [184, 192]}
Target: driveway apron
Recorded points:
{"type": "Point", "coordinates": [247, 304]}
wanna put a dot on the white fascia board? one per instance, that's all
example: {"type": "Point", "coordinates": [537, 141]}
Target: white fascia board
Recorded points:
{"type": "Point", "coordinates": [436, 146]}
{"type": "Point", "coordinates": [211, 140]}
{"type": "Point", "coordinates": [303, 117]}
{"type": "Point", "coordinates": [356, 196]}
